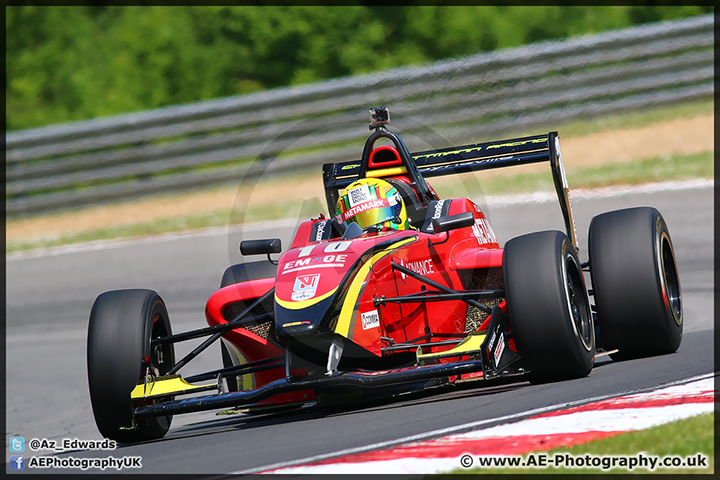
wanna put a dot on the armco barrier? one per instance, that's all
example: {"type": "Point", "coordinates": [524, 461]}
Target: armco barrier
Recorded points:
{"type": "Point", "coordinates": [296, 129]}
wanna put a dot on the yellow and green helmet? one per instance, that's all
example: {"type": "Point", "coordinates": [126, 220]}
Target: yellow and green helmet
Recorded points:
{"type": "Point", "coordinates": [372, 202]}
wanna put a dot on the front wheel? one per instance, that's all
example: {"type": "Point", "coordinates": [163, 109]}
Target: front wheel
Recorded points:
{"type": "Point", "coordinates": [120, 354]}
{"type": "Point", "coordinates": [548, 304]}
{"type": "Point", "coordinates": [635, 283]}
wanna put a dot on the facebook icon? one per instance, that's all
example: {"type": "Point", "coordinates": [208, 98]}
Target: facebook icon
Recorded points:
{"type": "Point", "coordinates": [17, 462]}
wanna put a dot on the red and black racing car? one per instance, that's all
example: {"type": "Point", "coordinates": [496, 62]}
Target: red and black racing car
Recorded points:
{"type": "Point", "coordinates": [396, 290]}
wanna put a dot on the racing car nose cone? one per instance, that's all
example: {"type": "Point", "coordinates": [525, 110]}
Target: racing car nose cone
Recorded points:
{"type": "Point", "coordinates": [291, 323]}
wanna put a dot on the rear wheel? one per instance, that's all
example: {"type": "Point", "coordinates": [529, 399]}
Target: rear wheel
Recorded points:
{"type": "Point", "coordinates": [548, 304]}
{"type": "Point", "coordinates": [635, 283]}
{"type": "Point", "coordinates": [119, 355]}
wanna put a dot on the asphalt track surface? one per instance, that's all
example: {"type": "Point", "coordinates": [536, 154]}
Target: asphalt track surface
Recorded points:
{"type": "Point", "coordinates": [49, 298]}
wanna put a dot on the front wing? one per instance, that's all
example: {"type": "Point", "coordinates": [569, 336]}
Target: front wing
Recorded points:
{"type": "Point", "coordinates": [483, 355]}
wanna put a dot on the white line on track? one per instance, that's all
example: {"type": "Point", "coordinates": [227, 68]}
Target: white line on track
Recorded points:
{"type": "Point", "coordinates": [460, 428]}
{"type": "Point", "coordinates": [496, 200]}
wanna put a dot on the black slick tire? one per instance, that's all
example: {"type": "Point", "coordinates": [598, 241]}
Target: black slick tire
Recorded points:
{"type": "Point", "coordinates": [119, 354]}
{"type": "Point", "coordinates": [635, 282]}
{"type": "Point", "coordinates": [548, 305]}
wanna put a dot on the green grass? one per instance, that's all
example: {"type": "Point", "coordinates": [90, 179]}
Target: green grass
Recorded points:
{"type": "Point", "coordinates": [627, 173]}
{"type": "Point", "coordinates": [684, 438]}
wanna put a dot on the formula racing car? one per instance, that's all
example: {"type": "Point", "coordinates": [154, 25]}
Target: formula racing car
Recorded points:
{"type": "Point", "coordinates": [396, 290]}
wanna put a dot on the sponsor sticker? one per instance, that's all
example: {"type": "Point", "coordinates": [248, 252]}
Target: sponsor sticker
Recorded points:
{"type": "Point", "coordinates": [517, 143]}
{"type": "Point", "coordinates": [464, 164]}
{"type": "Point", "coordinates": [423, 267]}
{"type": "Point", "coordinates": [315, 262]}
{"type": "Point", "coordinates": [370, 319]}
{"type": "Point", "coordinates": [437, 213]}
{"type": "Point", "coordinates": [305, 287]}
{"type": "Point", "coordinates": [491, 342]}
{"type": "Point", "coordinates": [359, 194]}
{"type": "Point", "coordinates": [361, 207]}
{"type": "Point", "coordinates": [320, 231]}
{"type": "Point", "coordinates": [483, 232]}
{"type": "Point", "coordinates": [499, 349]}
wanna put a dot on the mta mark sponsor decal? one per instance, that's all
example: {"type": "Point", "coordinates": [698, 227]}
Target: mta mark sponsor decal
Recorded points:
{"type": "Point", "coordinates": [385, 202]}
{"type": "Point", "coordinates": [305, 287]}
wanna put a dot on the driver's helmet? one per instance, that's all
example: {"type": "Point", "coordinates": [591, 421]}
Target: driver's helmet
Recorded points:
{"type": "Point", "coordinates": [372, 202]}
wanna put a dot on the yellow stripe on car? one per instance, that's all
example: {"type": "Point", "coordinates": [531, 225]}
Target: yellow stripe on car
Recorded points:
{"type": "Point", "coordinates": [386, 172]}
{"type": "Point", "coordinates": [348, 308]}
{"type": "Point", "coordinates": [303, 303]}
{"type": "Point", "coordinates": [470, 344]}
{"type": "Point", "coordinates": [172, 384]}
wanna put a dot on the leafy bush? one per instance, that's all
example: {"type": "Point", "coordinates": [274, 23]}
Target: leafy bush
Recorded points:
{"type": "Point", "coordinates": [70, 63]}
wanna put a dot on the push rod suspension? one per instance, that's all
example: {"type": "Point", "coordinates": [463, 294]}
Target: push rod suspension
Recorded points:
{"type": "Point", "coordinates": [440, 287]}
{"type": "Point", "coordinates": [408, 346]}
{"type": "Point", "coordinates": [204, 332]}
{"type": "Point", "coordinates": [415, 298]}
{"type": "Point", "coordinates": [251, 367]}
{"type": "Point", "coordinates": [235, 321]}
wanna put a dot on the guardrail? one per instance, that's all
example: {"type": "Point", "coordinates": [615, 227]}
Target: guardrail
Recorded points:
{"type": "Point", "coordinates": [296, 129]}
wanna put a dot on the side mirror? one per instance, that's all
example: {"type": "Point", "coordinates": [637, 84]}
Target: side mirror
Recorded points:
{"type": "Point", "coordinates": [451, 222]}
{"type": "Point", "coordinates": [259, 247]}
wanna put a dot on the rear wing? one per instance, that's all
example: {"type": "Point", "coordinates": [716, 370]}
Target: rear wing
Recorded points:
{"type": "Point", "coordinates": [471, 158]}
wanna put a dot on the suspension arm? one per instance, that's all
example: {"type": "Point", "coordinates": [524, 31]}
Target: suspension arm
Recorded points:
{"type": "Point", "coordinates": [440, 287]}
{"type": "Point", "coordinates": [236, 322]}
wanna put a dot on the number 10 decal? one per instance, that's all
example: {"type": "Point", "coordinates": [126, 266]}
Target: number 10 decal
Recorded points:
{"type": "Point", "coordinates": [329, 248]}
